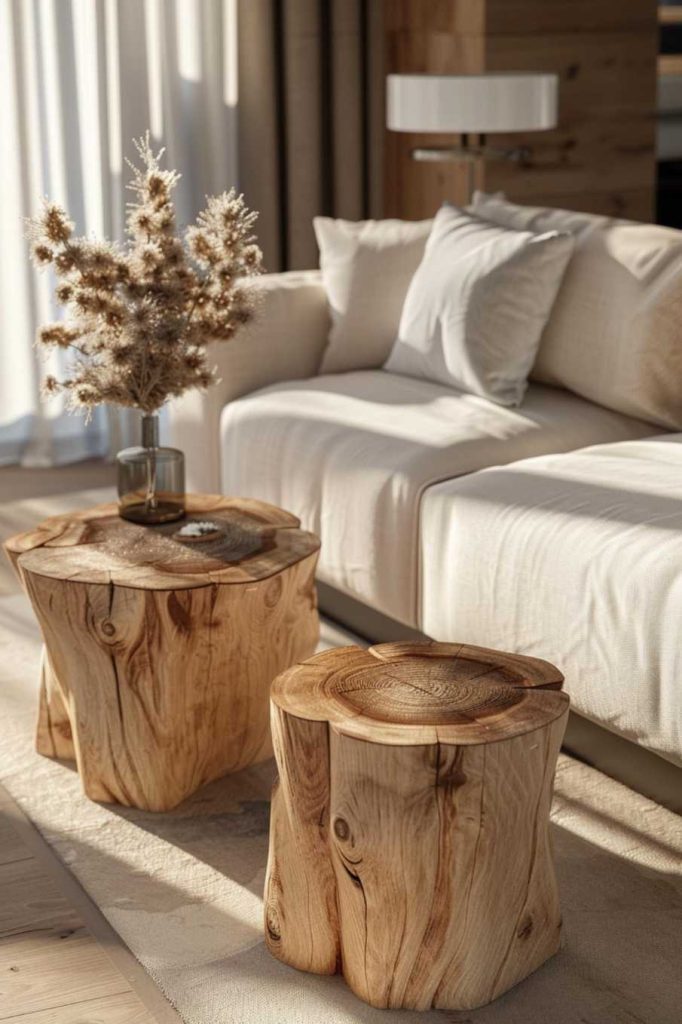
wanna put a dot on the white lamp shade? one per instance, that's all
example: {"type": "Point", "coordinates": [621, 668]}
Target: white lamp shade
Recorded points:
{"type": "Point", "coordinates": [504, 102]}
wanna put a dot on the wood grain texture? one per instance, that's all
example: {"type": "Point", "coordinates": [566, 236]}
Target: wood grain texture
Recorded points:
{"type": "Point", "coordinates": [32, 901]}
{"type": "Point", "coordinates": [54, 967]}
{"type": "Point", "coordinates": [409, 783]}
{"type": "Point", "coordinates": [601, 156]}
{"type": "Point", "coordinates": [253, 541]}
{"type": "Point", "coordinates": [54, 737]}
{"type": "Point", "coordinates": [157, 672]}
{"type": "Point", "coordinates": [57, 954]}
{"type": "Point", "coordinates": [12, 849]}
{"type": "Point", "coordinates": [122, 1008]}
{"type": "Point", "coordinates": [412, 693]}
{"type": "Point", "coordinates": [300, 872]}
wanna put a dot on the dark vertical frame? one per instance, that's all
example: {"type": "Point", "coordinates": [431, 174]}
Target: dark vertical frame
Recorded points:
{"type": "Point", "coordinates": [279, 58]}
{"type": "Point", "coordinates": [365, 119]}
{"type": "Point", "coordinates": [326, 21]}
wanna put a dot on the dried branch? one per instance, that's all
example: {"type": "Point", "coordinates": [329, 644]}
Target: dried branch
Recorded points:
{"type": "Point", "coordinates": [140, 315]}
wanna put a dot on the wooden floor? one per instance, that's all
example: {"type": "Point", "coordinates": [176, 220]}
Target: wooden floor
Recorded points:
{"type": "Point", "coordinates": [18, 483]}
{"type": "Point", "coordinates": [60, 961]}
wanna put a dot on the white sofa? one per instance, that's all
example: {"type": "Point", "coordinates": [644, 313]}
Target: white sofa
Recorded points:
{"type": "Point", "coordinates": [460, 518]}
{"type": "Point", "coordinates": [577, 557]}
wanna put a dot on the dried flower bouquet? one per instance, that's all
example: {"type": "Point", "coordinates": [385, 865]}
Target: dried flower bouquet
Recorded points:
{"type": "Point", "coordinates": [140, 315]}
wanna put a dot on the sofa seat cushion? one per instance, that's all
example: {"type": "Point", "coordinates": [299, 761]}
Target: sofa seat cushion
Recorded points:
{"type": "Point", "coordinates": [350, 454]}
{"type": "Point", "coordinates": [576, 558]}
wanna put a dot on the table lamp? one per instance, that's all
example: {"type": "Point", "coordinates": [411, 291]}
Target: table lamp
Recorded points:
{"type": "Point", "coordinates": [506, 101]}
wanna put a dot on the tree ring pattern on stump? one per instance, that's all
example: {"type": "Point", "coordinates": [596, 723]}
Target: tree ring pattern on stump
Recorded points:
{"type": "Point", "coordinates": [426, 693]}
{"type": "Point", "coordinates": [252, 541]}
{"type": "Point", "coordinates": [412, 693]}
{"type": "Point", "coordinates": [234, 541]}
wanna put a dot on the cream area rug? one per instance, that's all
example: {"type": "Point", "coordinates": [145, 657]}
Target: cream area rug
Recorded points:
{"type": "Point", "coordinates": [184, 889]}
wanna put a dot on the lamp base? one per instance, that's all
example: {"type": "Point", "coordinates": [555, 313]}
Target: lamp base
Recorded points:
{"type": "Point", "coordinates": [470, 155]}
{"type": "Point", "coordinates": [520, 154]}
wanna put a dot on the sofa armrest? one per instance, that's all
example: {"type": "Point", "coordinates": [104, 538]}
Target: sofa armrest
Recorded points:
{"type": "Point", "coordinates": [285, 342]}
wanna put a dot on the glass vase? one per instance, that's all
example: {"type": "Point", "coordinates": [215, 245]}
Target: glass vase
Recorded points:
{"type": "Point", "coordinates": [151, 479]}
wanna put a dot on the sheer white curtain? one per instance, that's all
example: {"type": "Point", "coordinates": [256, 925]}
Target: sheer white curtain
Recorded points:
{"type": "Point", "coordinates": [79, 79]}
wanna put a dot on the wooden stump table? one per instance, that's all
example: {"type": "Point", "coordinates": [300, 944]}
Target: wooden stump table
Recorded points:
{"type": "Point", "coordinates": [160, 648]}
{"type": "Point", "coordinates": [409, 842]}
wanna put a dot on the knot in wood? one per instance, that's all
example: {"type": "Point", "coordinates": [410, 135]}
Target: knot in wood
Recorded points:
{"type": "Point", "coordinates": [179, 609]}
{"type": "Point", "coordinates": [451, 777]}
{"type": "Point", "coordinates": [272, 923]}
{"type": "Point", "coordinates": [108, 628]}
{"type": "Point", "coordinates": [341, 829]}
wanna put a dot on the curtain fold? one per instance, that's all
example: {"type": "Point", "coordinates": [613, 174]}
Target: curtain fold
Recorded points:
{"type": "Point", "coordinates": [79, 80]}
{"type": "Point", "coordinates": [310, 118]}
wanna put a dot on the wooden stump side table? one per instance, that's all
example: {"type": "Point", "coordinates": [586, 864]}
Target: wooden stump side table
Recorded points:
{"type": "Point", "coordinates": [160, 648]}
{"type": "Point", "coordinates": [409, 843]}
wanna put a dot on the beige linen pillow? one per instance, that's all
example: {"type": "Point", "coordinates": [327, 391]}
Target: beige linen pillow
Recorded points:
{"type": "Point", "coordinates": [475, 308]}
{"type": "Point", "coordinates": [366, 269]}
{"type": "Point", "coordinates": [614, 335]}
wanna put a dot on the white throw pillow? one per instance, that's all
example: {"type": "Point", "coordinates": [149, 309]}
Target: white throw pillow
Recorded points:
{"type": "Point", "coordinates": [476, 307]}
{"type": "Point", "coordinates": [614, 335]}
{"type": "Point", "coordinates": [366, 269]}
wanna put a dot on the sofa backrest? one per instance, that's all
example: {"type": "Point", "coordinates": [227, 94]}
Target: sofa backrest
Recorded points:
{"type": "Point", "coordinates": [615, 332]}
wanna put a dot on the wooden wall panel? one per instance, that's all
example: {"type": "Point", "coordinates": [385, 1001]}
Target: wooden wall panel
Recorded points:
{"type": "Point", "coordinates": [604, 146]}
{"type": "Point", "coordinates": [536, 17]}
{"type": "Point", "coordinates": [602, 155]}
{"type": "Point", "coordinates": [435, 17]}
{"type": "Point", "coordinates": [438, 37]}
